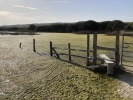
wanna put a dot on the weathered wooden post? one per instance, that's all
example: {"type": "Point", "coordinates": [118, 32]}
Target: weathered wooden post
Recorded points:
{"type": "Point", "coordinates": [88, 47]}
{"type": "Point", "coordinates": [117, 54]}
{"type": "Point", "coordinates": [122, 49]}
{"type": "Point", "coordinates": [51, 53]}
{"type": "Point", "coordinates": [69, 51]}
{"type": "Point", "coordinates": [34, 47]}
{"type": "Point", "coordinates": [94, 48]}
{"type": "Point", "coordinates": [20, 45]}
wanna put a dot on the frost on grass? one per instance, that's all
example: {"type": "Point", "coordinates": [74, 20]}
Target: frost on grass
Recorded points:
{"type": "Point", "coordinates": [26, 75]}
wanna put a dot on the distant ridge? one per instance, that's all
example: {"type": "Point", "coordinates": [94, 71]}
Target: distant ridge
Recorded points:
{"type": "Point", "coordinates": [81, 26]}
{"type": "Point", "coordinates": [27, 25]}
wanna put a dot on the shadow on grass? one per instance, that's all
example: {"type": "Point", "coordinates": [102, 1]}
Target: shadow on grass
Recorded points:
{"type": "Point", "coordinates": [41, 54]}
{"type": "Point", "coordinates": [100, 70]}
{"type": "Point", "coordinates": [122, 75]}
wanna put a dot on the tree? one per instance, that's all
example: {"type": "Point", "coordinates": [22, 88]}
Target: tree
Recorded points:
{"type": "Point", "coordinates": [103, 25]}
{"type": "Point", "coordinates": [115, 25]}
{"type": "Point", "coordinates": [13, 29]}
{"type": "Point", "coordinates": [128, 26]}
{"type": "Point", "coordinates": [32, 27]}
{"type": "Point", "coordinates": [90, 25]}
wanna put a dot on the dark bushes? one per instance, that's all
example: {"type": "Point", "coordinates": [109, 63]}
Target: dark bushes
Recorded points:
{"type": "Point", "coordinates": [90, 25]}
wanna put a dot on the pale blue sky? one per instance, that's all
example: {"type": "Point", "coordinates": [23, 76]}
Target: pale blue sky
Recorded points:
{"type": "Point", "coordinates": [48, 11]}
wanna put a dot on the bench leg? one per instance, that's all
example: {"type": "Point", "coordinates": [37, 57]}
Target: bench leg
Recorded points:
{"type": "Point", "coordinates": [110, 68]}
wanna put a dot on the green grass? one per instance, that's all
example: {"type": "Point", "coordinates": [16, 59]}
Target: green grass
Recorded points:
{"type": "Point", "coordinates": [25, 75]}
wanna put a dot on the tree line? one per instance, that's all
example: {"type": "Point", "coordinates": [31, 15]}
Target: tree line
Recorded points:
{"type": "Point", "coordinates": [74, 27]}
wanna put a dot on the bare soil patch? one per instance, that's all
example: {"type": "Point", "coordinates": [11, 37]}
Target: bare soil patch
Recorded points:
{"type": "Point", "coordinates": [126, 83]}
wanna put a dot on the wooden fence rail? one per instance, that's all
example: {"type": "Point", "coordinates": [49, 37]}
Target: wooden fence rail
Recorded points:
{"type": "Point", "coordinates": [73, 49]}
{"type": "Point", "coordinates": [53, 51]}
{"type": "Point", "coordinates": [75, 55]}
{"type": "Point", "coordinates": [106, 48]}
{"type": "Point", "coordinates": [127, 51]}
{"type": "Point", "coordinates": [95, 58]}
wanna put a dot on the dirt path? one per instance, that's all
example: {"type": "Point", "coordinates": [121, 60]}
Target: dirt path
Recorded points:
{"type": "Point", "coordinates": [126, 82]}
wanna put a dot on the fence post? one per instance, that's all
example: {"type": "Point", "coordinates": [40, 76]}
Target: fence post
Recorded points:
{"type": "Point", "coordinates": [117, 54]}
{"type": "Point", "coordinates": [20, 45]}
{"type": "Point", "coordinates": [69, 51]}
{"type": "Point", "coordinates": [34, 47]}
{"type": "Point", "coordinates": [88, 47]}
{"type": "Point", "coordinates": [122, 50]}
{"type": "Point", "coordinates": [94, 48]}
{"type": "Point", "coordinates": [51, 53]}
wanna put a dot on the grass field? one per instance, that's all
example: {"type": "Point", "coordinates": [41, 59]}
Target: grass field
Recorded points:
{"type": "Point", "coordinates": [25, 75]}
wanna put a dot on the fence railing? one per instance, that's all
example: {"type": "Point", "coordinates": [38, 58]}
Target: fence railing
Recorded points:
{"type": "Point", "coordinates": [69, 51]}
{"type": "Point", "coordinates": [127, 51]}
{"type": "Point", "coordinates": [53, 51]}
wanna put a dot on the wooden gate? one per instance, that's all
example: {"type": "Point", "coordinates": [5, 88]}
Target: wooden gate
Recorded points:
{"type": "Point", "coordinates": [127, 50]}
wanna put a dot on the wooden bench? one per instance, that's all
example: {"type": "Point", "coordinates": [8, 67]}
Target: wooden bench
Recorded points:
{"type": "Point", "coordinates": [109, 62]}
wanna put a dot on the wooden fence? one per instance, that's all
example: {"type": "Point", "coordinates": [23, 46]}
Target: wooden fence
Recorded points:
{"type": "Point", "coordinates": [94, 58]}
{"type": "Point", "coordinates": [115, 50]}
{"type": "Point", "coordinates": [53, 50]}
{"type": "Point", "coordinates": [127, 50]}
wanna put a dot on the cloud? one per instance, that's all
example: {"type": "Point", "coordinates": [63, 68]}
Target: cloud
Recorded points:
{"type": "Point", "coordinates": [10, 18]}
{"type": "Point", "coordinates": [25, 7]}
{"type": "Point", "coordinates": [3, 13]}
{"type": "Point", "coordinates": [65, 1]}
{"type": "Point", "coordinates": [57, 1]}
{"type": "Point", "coordinates": [15, 16]}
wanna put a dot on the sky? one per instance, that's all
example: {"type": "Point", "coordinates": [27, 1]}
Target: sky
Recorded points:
{"type": "Point", "coordinates": [14, 12]}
